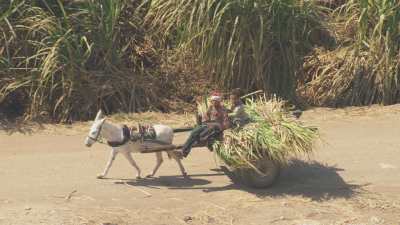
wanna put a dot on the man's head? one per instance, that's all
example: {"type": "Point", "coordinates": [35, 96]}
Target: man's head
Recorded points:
{"type": "Point", "coordinates": [216, 99]}
{"type": "Point", "coordinates": [235, 96]}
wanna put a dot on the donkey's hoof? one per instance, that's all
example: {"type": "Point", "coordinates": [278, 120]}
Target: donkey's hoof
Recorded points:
{"type": "Point", "coordinates": [100, 176]}
{"type": "Point", "coordinates": [138, 177]}
{"type": "Point", "coordinates": [185, 175]}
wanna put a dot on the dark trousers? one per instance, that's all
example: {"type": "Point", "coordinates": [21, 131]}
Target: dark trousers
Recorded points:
{"type": "Point", "coordinates": [193, 138]}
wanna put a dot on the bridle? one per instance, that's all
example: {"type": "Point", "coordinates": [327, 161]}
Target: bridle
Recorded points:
{"type": "Point", "coordinates": [125, 132]}
{"type": "Point", "coordinates": [96, 139]}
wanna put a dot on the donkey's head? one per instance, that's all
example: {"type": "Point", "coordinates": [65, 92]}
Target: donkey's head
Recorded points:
{"type": "Point", "coordinates": [95, 130]}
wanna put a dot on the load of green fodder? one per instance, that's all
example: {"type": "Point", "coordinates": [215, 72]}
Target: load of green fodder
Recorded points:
{"type": "Point", "coordinates": [364, 69]}
{"type": "Point", "coordinates": [272, 133]}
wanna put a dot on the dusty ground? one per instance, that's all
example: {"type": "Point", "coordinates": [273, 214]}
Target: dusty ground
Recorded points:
{"type": "Point", "coordinates": [48, 177]}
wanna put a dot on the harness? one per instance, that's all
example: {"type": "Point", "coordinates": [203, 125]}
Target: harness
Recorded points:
{"type": "Point", "coordinates": [146, 133]}
{"type": "Point", "coordinates": [126, 133]}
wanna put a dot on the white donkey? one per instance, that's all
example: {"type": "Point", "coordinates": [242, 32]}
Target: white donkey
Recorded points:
{"type": "Point", "coordinates": [114, 134]}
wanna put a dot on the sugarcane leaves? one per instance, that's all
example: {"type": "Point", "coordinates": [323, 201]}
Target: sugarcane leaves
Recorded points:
{"type": "Point", "coordinates": [369, 71]}
{"type": "Point", "coordinates": [272, 134]}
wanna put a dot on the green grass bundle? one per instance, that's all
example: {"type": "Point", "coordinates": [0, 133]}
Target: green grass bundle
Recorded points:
{"type": "Point", "coordinates": [272, 134]}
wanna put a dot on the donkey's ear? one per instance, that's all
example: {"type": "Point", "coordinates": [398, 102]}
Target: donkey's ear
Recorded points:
{"type": "Point", "coordinates": [102, 120]}
{"type": "Point", "coordinates": [99, 115]}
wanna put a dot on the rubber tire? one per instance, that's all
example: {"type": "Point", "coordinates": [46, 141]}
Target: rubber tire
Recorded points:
{"type": "Point", "coordinates": [250, 178]}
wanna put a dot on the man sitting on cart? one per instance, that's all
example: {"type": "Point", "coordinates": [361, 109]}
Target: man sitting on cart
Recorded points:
{"type": "Point", "coordinates": [237, 114]}
{"type": "Point", "coordinates": [214, 122]}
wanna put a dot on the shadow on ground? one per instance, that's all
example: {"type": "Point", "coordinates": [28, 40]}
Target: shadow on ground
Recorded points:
{"type": "Point", "coordinates": [312, 179]}
{"type": "Point", "coordinates": [172, 182]}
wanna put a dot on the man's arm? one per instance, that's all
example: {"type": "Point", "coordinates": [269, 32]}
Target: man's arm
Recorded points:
{"type": "Point", "coordinates": [206, 116]}
{"type": "Point", "coordinates": [234, 112]}
{"type": "Point", "coordinates": [225, 124]}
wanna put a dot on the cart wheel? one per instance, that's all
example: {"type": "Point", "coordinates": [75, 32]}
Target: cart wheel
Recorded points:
{"type": "Point", "coordinates": [251, 178]}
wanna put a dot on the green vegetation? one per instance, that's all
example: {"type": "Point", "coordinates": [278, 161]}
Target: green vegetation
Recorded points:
{"type": "Point", "coordinates": [272, 134]}
{"type": "Point", "coordinates": [63, 60]}
{"type": "Point", "coordinates": [252, 44]}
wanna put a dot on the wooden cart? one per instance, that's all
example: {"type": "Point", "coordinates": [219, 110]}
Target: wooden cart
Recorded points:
{"type": "Point", "coordinates": [263, 176]}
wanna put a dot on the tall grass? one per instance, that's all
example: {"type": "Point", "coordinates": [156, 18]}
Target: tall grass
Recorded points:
{"type": "Point", "coordinates": [70, 60]}
{"type": "Point", "coordinates": [253, 44]}
{"type": "Point", "coordinates": [365, 68]}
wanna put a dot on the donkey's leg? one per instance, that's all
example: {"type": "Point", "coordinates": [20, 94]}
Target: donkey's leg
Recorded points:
{"type": "Point", "coordinates": [113, 154]}
{"type": "Point", "coordinates": [179, 161]}
{"type": "Point", "coordinates": [158, 164]}
{"type": "Point", "coordinates": [128, 156]}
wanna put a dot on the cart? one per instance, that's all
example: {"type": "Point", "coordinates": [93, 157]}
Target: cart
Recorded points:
{"type": "Point", "coordinates": [263, 175]}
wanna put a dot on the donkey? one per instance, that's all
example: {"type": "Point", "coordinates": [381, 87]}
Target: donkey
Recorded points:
{"type": "Point", "coordinates": [116, 138]}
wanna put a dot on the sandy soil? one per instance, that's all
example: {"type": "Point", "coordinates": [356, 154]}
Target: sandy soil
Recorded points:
{"type": "Point", "coordinates": [48, 177]}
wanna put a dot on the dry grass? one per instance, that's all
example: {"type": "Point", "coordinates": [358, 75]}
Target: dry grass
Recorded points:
{"type": "Point", "coordinates": [364, 69]}
{"type": "Point", "coordinates": [131, 119]}
{"type": "Point", "coordinates": [249, 44]}
{"type": "Point", "coordinates": [66, 61]}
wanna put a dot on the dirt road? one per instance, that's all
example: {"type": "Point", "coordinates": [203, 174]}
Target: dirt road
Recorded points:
{"type": "Point", "coordinates": [354, 178]}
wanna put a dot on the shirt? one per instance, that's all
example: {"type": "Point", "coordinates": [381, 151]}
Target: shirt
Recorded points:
{"type": "Point", "coordinates": [239, 113]}
{"type": "Point", "coordinates": [218, 115]}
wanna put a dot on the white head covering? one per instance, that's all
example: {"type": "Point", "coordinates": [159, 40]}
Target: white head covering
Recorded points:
{"type": "Point", "coordinates": [215, 98]}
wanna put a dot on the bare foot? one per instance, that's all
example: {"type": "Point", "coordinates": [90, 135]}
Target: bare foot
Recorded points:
{"type": "Point", "coordinates": [150, 176]}
{"type": "Point", "coordinates": [100, 176]}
